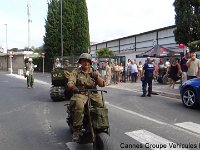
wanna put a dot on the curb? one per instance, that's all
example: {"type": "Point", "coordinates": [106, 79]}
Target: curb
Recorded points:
{"type": "Point", "coordinates": [166, 94]}
{"type": "Point", "coordinates": [154, 92]}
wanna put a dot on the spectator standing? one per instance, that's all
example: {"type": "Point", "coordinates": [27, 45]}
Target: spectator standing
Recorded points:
{"type": "Point", "coordinates": [174, 72]}
{"type": "Point", "coordinates": [167, 63]}
{"type": "Point", "coordinates": [134, 71]}
{"type": "Point", "coordinates": [161, 71]}
{"type": "Point", "coordinates": [155, 73]}
{"type": "Point", "coordinates": [140, 66]}
{"type": "Point", "coordinates": [121, 72]}
{"type": "Point", "coordinates": [115, 72]}
{"type": "Point", "coordinates": [184, 67]}
{"type": "Point", "coordinates": [94, 65]}
{"type": "Point", "coordinates": [103, 70]}
{"type": "Point", "coordinates": [193, 65]}
{"type": "Point", "coordinates": [108, 74]}
{"type": "Point", "coordinates": [147, 78]}
{"type": "Point", "coordinates": [161, 64]}
{"type": "Point", "coordinates": [129, 70]}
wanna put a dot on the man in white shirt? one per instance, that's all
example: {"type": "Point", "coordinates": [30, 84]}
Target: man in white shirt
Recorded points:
{"type": "Point", "coordinates": [167, 63]}
{"type": "Point", "coordinates": [134, 71]}
{"type": "Point", "coordinates": [193, 65]}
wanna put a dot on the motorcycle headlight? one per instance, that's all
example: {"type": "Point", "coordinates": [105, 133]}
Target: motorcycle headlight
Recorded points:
{"type": "Point", "coordinates": [55, 75]}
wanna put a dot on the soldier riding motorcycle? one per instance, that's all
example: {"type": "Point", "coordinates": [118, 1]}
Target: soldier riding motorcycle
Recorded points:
{"type": "Point", "coordinates": [87, 105]}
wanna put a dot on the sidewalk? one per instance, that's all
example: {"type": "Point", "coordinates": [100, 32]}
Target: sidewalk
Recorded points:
{"type": "Point", "coordinates": [158, 88]}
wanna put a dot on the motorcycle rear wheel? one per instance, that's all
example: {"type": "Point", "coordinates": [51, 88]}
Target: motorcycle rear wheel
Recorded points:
{"type": "Point", "coordinates": [103, 142]}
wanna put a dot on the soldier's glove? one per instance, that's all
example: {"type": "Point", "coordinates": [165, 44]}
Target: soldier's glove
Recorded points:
{"type": "Point", "coordinates": [94, 75]}
{"type": "Point", "coordinates": [75, 89]}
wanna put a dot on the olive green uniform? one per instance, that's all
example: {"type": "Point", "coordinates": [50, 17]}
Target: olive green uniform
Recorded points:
{"type": "Point", "coordinates": [30, 70]}
{"type": "Point", "coordinates": [82, 80]}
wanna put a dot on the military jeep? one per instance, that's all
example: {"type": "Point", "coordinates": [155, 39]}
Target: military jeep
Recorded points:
{"type": "Point", "coordinates": [62, 68]}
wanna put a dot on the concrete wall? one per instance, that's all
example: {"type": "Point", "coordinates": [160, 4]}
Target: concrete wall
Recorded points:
{"type": "Point", "coordinates": [17, 62]}
{"type": "Point", "coordinates": [3, 63]}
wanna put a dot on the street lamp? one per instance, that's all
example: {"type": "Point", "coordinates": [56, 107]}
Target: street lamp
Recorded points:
{"type": "Point", "coordinates": [10, 56]}
{"type": "Point", "coordinates": [6, 39]}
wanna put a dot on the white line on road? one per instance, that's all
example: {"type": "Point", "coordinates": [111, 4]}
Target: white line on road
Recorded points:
{"type": "Point", "coordinates": [156, 121]}
{"type": "Point", "coordinates": [137, 114]}
{"type": "Point", "coordinates": [153, 141]}
{"type": "Point", "coordinates": [22, 77]}
{"type": "Point", "coordinates": [76, 146]}
{"type": "Point", "coordinates": [194, 127]}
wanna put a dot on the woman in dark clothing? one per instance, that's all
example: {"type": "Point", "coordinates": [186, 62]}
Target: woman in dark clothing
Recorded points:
{"type": "Point", "coordinates": [174, 72]}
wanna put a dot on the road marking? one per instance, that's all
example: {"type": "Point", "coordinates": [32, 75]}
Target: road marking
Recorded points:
{"type": "Point", "coordinates": [76, 146]}
{"type": "Point", "coordinates": [194, 127]}
{"type": "Point", "coordinates": [156, 121]}
{"type": "Point", "coordinates": [137, 114]}
{"type": "Point", "coordinates": [4, 81]}
{"type": "Point", "coordinates": [153, 141]}
{"type": "Point", "coordinates": [35, 80]}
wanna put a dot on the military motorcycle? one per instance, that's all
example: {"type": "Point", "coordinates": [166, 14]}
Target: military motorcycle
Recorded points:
{"type": "Point", "coordinates": [59, 76]}
{"type": "Point", "coordinates": [95, 128]}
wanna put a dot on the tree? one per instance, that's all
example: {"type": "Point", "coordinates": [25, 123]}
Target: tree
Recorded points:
{"type": "Point", "coordinates": [75, 28]}
{"type": "Point", "coordinates": [68, 27]}
{"type": "Point", "coordinates": [52, 34]}
{"type": "Point", "coordinates": [187, 20]}
{"type": "Point", "coordinates": [38, 50]}
{"type": "Point", "coordinates": [81, 28]}
{"type": "Point", "coordinates": [14, 49]}
{"type": "Point", "coordinates": [105, 52]}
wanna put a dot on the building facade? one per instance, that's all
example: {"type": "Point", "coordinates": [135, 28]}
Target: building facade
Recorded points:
{"type": "Point", "coordinates": [17, 59]}
{"type": "Point", "coordinates": [132, 45]}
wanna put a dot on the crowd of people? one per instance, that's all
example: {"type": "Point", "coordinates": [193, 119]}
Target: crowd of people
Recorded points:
{"type": "Point", "coordinates": [184, 68]}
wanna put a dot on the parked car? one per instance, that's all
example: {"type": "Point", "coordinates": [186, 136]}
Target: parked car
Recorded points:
{"type": "Point", "coordinates": [190, 93]}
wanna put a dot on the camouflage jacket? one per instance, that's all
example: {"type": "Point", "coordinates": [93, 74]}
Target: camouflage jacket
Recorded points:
{"type": "Point", "coordinates": [83, 81]}
{"type": "Point", "coordinates": [30, 68]}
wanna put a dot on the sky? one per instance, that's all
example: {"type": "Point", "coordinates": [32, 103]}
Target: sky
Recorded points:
{"type": "Point", "coordinates": [108, 19]}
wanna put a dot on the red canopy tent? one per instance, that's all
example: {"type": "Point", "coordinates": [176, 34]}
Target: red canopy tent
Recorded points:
{"type": "Point", "coordinates": [159, 51]}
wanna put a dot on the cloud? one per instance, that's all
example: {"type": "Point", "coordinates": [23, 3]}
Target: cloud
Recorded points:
{"type": "Point", "coordinates": [118, 18]}
{"type": "Point", "coordinates": [108, 19]}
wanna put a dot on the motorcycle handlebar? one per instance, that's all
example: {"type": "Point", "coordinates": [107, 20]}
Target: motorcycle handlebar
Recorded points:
{"type": "Point", "coordinates": [92, 90]}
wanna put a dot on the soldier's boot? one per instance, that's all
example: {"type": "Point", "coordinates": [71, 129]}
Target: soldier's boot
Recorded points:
{"type": "Point", "coordinates": [76, 134]}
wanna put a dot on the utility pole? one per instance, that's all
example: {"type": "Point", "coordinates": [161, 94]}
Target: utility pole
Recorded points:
{"type": "Point", "coordinates": [29, 21]}
{"type": "Point", "coordinates": [43, 56]}
{"type": "Point", "coordinates": [61, 11]}
{"type": "Point", "coordinates": [6, 39]}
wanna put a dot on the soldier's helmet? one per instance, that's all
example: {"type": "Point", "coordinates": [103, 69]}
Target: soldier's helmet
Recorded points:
{"type": "Point", "coordinates": [85, 56]}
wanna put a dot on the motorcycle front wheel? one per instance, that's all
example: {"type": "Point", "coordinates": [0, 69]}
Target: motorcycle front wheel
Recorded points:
{"type": "Point", "coordinates": [103, 142]}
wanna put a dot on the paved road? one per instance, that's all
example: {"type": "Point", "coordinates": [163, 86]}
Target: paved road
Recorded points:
{"type": "Point", "coordinates": [136, 122]}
